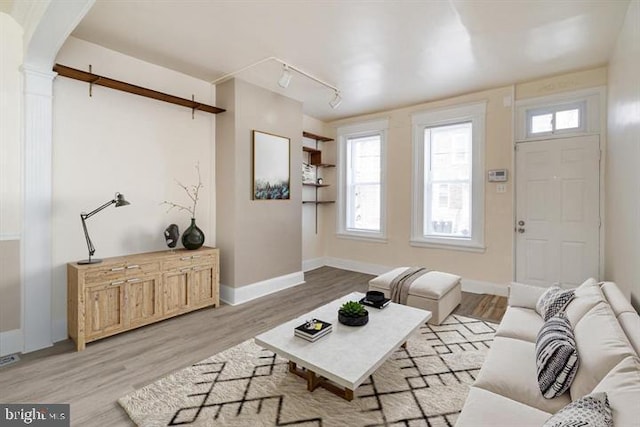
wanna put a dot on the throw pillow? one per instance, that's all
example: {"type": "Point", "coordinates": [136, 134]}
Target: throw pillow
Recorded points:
{"type": "Point", "coordinates": [592, 410]}
{"type": "Point", "coordinates": [556, 356]}
{"type": "Point", "coordinates": [553, 301]}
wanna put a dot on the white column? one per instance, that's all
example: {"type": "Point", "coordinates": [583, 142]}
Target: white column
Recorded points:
{"type": "Point", "coordinates": [37, 266]}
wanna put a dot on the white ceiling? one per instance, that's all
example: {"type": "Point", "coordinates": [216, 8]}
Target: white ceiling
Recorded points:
{"type": "Point", "coordinates": [381, 54]}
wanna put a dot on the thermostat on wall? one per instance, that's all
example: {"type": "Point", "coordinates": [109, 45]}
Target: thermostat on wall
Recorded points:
{"type": "Point", "coordinates": [498, 175]}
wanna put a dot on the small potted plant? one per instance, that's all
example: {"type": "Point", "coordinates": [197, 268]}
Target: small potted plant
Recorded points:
{"type": "Point", "coordinates": [352, 313]}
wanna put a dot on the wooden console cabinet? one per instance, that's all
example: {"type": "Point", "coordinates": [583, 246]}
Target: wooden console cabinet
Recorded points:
{"type": "Point", "coordinates": [127, 292]}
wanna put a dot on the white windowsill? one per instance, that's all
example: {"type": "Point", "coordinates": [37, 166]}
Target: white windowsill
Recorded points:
{"type": "Point", "coordinates": [449, 245]}
{"type": "Point", "coordinates": [362, 237]}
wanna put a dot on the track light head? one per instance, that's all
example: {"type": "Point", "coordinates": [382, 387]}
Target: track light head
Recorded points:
{"type": "Point", "coordinates": [336, 101]}
{"type": "Point", "coordinates": [285, 78]}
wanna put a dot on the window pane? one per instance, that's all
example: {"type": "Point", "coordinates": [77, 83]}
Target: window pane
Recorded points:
{"type": "Point", "coordinates": [450, 152]}
{"type": "Point", "coordinates": [363, 183]}
{"type": "Point", "coordinates": [450, 211]}
{"type": "Point", "coordinates": [542, 123]}
{"type": "Point", "coordinates": [447, 198]}
{"type": "Point", "coordinates": [367, 208]}
{"type": "Point", "coordinates": [568, 119]}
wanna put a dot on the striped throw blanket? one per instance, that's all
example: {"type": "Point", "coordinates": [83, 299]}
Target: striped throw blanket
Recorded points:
{"type": "Point", "coordinates": [400, 285]}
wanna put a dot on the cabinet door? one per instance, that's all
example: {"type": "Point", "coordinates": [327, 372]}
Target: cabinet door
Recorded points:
{"type": "Point", "coordinates": [175, 295]}
{"type": "Point", "coordinates": [201, 285]}
{"type": "Point", "coordinates": [143, 300]}
{"type": "Point", "coordinates": [104, 309]}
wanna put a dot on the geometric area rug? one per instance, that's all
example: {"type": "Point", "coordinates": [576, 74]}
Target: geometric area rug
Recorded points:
{"type": "Point", "coordinates": [425, 384]}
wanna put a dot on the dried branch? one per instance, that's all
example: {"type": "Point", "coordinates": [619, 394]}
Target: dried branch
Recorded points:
{"type": "Point", "coordinates": [192, 192]}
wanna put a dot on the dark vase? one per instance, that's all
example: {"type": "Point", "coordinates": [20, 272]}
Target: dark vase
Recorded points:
{"type": "Point", "coordinates": [193, 237]}
{"type": "Point", "coordinates": [353, 321]}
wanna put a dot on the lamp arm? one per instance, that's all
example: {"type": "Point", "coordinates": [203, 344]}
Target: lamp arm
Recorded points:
{"type": "Point", "coordinates": [96, 210]}
{"type": "Point", "coordinates": [92, 250]}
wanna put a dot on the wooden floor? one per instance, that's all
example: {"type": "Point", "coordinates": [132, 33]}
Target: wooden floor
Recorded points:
{"type": "Point", "coordinates": [92, 380]}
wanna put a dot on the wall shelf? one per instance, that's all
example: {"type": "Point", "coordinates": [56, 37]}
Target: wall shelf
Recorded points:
{"type": "Point", "coordinates": [95, 79]}
{"type": "Point", "coordinates": [314, 157]}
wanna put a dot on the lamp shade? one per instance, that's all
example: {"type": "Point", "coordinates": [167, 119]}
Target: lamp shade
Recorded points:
{"type": "Point", "coordinates": [120, 200]}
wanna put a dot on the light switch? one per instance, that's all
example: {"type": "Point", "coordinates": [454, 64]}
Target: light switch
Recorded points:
{"type": "Point", "coordinates": [501, 188]}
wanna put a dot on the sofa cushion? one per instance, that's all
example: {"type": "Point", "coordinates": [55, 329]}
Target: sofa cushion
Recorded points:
{"type": "Point", "coordinates": [484, 408]}
{"type": "Point", "coordinates": [510, 371]}
{"type": "Point", "coordinates": [601, 344]}
{"type": "Point", "coordinates": [553, 301]}
{"type": "Point", "coordinates": [520, 323]}
{"type": "Point", "coordinates": [630, 323]}
{"type": "Point", "coordinates": [622, 385]}
{"type": "Point", "coordinates": [590, 411]}
{"type": "Point", "coordinates": [616, 299]}
{"type": "Point", "coordinates": [556, 356]}
{"type": "Point", "coordinates": [588, 295]}
{"type": "Point", "coordinates": [525, 296]}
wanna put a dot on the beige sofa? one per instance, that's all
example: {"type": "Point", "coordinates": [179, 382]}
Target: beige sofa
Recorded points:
{"type": "Point", "coordinates": [607, 334]}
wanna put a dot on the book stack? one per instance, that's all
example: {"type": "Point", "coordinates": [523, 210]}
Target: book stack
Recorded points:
{"type": "Point", "coordinates": [375, 304]}
{"type": "Point", "coordinates": [313, 330]}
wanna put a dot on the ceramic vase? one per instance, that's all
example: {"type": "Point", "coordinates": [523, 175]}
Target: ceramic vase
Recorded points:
{"type": "Point", "coordinates": [193, 237]}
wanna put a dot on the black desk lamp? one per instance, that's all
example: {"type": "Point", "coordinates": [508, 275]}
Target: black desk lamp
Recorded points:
{"type": "Point", "coordinates": [118, 201]}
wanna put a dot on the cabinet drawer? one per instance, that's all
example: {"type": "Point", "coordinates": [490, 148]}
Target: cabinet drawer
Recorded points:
{"type": "Point", "coordinates": [178, 263]}
{"type": "Point", "coordinates": [105, 274]}
{"type": "Point", "coordinates": [115, 272]}
{"type": "Point", "coordinates": [138, 269]}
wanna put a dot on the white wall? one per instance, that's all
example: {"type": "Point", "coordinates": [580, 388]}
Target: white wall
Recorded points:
{"type": "Point", "coordinates": [11, 39]}
{"type": "Point", "coordinates": [10, 126]}
{"type": "Point", "coordinates": [116, 141]}
{"type": "Point", "coordinates": [623, 158]}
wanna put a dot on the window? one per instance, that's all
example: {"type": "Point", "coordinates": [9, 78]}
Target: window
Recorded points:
{"type": "Point", "coordinates": [556, 119]}
{"type": "Point", "coordinates": [448, 206]}
{"type": "Point", "coordinates": [361, 180]}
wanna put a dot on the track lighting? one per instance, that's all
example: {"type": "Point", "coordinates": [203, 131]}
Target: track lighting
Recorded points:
{"type": "Point", "coordinates": [285, 79]}
{"type": "Point", "coordinates": [336, 101]}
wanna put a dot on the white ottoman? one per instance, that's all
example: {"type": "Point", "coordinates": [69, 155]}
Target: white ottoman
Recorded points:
{"type": "Point", "coordinates": [435, 291]}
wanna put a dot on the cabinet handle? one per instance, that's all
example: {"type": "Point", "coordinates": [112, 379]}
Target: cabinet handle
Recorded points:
{"type": "Point", "coordinates": [117, 269]}
{"type": "Point", "coordinates": [119, 282]}
{"type": "Point", "coordinates": [133, 266]}
{"type": "Point", "coordinates": [185, 269]}
{"type": "Point", "coordinates": [195, 256]}
{"type": "Point", "coordinates": [184, 258]}
{"type": "Point", "coordinates": [134, 280]}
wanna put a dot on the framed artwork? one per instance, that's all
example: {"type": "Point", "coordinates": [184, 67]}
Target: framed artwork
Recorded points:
{"type": "Point", "coordinates": [270, 166]}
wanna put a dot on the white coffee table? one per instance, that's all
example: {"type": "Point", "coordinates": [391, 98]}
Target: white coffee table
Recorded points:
{"type": "Point", "coordinates": [343, 359]}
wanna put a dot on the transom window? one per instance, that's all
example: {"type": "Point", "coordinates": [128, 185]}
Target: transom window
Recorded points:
{"type": "Point", "coordinates": [448, 178]}
{"type": "Point", "coordinates": [555, 119]}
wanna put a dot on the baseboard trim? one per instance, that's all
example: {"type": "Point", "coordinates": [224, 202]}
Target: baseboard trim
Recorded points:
{"type": "Point", "coordinates": [59, 330]}
{"type": "Point", "coordinates": [11, 342]}
{"type": "Point", "coordinates": [312, 264]}
{"type": "Point", "coordinates": [468, 285]}
{"type": "Point", "coordinates": [480, 287]}
{"type": "Point", "coordinates": [357, 266]}
{"type": "Point", "coordinates": [235, 296]}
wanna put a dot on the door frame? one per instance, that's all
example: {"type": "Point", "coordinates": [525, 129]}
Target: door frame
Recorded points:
{"type": "Point", "coordinates": [595, 99]}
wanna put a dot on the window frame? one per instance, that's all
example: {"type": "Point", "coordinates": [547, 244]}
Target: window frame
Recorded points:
{"type": "Point", "coordinates": [370, 128]}
{"type": "Point", "coordinates": [476, 114]}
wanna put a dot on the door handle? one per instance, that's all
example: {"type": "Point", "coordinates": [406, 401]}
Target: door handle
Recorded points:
{"type": "Point", "coordinates": [521, 223]}
{"type": "Point", "coordinates": [520, 230]}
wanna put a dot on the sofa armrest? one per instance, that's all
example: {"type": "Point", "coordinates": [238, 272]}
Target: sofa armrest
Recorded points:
{"type": "Point", "coordinates": [521, 295]}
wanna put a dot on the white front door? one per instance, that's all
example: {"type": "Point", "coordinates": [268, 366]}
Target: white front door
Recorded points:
{"type": "Point", "coordinates": [558, 211]}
